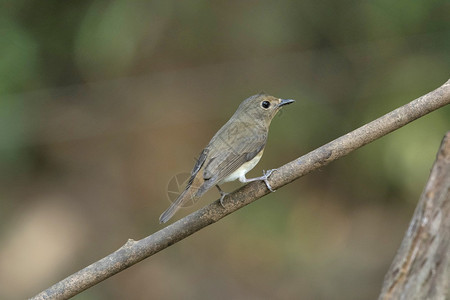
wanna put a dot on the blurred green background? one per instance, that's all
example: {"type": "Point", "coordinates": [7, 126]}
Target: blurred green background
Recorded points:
{"type": "Point", "coordinates": [103, 102]}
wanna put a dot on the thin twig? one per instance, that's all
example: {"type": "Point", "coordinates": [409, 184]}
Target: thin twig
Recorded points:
{"type": "Point", "coordinates": [135, 251]}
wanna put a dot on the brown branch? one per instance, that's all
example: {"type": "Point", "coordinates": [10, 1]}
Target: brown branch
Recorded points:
{"type": "Point", "coordinates": [135, 251]}
{"type": "Point", "coordinates": [421, 268]}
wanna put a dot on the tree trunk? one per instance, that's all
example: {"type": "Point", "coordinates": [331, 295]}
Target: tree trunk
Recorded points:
{"type": "Point", "coordinates": [421, 268]}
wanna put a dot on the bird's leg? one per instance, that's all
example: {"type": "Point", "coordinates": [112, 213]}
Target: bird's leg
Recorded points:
{"type": "Point", "coordinates": [222, 195]}
{"type": "Point", "coordinates": [264, 178]}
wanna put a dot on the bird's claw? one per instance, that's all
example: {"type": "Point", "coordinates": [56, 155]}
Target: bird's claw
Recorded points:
{"type": "Point", "coordinates": [222, 196]}
{"type": "Point", "coordinates": [265, 176]}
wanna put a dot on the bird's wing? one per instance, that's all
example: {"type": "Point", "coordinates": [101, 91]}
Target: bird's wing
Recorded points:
{"type": "Point", "coordinates": [227, 156]}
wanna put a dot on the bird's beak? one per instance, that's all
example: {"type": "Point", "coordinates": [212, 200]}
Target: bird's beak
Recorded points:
{"type": "Point", "coordinates": [285, 101]}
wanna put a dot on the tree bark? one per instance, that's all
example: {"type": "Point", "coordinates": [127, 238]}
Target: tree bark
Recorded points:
{"type": "Point", "coordinates": [421, 268]}
{"type": "Point", "coordinates": [135, 251]}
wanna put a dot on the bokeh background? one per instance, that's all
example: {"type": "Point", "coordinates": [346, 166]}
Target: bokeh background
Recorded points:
{"type": "Point", "coordinates": [103, 102]}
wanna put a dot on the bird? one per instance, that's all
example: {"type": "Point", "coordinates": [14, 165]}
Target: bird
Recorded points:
{"type": "Point", "coordinates": [232, 152]}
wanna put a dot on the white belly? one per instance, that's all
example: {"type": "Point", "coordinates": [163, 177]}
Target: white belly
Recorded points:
{"type": "Point", "coordinates": [242, 170]}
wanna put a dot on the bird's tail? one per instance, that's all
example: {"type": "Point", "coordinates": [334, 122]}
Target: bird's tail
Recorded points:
{"type": "Point", "coordinates": [188, 195]}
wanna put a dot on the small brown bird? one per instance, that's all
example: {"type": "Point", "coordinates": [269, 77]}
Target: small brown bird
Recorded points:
{"type": "Point", "coordinates": [233, 151]}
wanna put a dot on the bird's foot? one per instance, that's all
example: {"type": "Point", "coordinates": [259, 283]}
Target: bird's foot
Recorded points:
{"type": "Point", "coordinates": [265, 176]}
{"type": "Point", "coordinates": [222, 195]}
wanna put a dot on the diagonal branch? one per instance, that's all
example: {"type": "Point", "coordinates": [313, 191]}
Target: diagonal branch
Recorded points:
{"type": "Point", "coordinates": [135, 251]}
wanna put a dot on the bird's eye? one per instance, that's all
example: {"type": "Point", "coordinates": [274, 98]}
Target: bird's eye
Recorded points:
{"type": "Point", "coordinates": [265, 104]}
